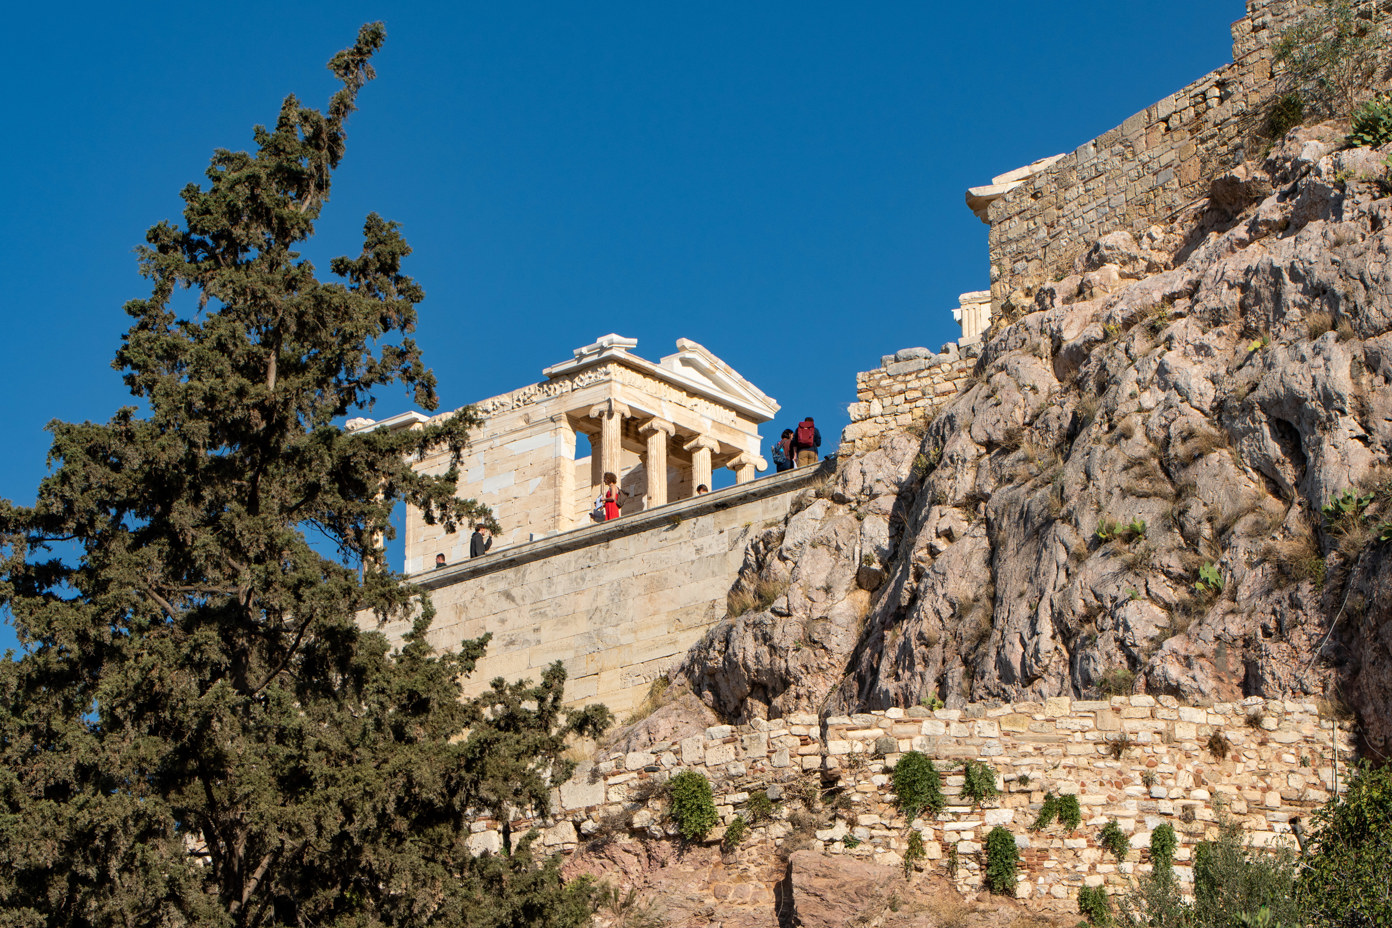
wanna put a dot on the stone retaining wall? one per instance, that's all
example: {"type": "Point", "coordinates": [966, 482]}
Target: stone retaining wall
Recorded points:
{"type": "Point", "coordinates": [618, 603]}
{"type": "Point", "coordinates": [1138, 760]}
{"type": "Point", "coordinates": [903, 393]}
{"type": "Point", "coordinates": [1149, 167]}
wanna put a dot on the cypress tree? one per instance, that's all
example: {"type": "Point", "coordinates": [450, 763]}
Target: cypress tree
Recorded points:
{"type": "Point", "coordinates": [196, 731]}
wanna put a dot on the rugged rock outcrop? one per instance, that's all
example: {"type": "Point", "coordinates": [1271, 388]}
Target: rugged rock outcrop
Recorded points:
{"type": "Point", "coordinates": [701, 886]}
{"type": "Point", "coordinates": [1169, 475]}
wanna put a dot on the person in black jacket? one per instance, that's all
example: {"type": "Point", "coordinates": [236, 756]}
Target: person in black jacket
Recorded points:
{"type": "Point", "coordinates": [481, 541]}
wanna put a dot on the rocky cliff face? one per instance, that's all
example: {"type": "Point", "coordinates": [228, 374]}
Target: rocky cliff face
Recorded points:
{"type": "Point", "coordinates": [1168, 476]}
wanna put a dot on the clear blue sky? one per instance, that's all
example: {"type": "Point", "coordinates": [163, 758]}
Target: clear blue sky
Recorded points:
{"type": "Point", "coordinates": [781, 181]}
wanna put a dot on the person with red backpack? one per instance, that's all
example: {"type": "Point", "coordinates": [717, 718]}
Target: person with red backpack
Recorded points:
{"type": "Point", "coordinates": [805, 442]}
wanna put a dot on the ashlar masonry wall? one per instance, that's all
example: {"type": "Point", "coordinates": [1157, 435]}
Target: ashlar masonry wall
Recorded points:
{"type": "Point", "coordinates": [1149, 167]}
{"type": "Point", "coordinates": [1139, 760]}
{"type": "Point", "coordinates": [903, 392]}
{"type": "Point", "coordinates": [617, 603]}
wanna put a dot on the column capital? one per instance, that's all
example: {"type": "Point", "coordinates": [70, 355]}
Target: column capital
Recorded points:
{"type": "Point", "coordinates": [610, 407]}
{"type": "Point", "coordinates": [657, 425]}
{"type": "Point", "coordinates": [702, 443]}
{"type": "Point", "coordinates": [747, 459]}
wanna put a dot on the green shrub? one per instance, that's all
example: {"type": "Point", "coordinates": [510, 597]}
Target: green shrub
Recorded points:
{"type": "Point", "coordinates": [693, 806]}
{"type": "Point", "coordinates": [914, 853]}
{"type": "Point", "coordinates": [1162, 847]}
{"type": "Point", "coordinates": [734, 833]}
{"type": "Point", "coordinates": [1063, 809]}
{"type": "Point", "coordinates": [1070, 816]}
{"type": "Point", "coordinates": [1330, 57]}
{"type": "Point", "coordinates": [979, 781]}
{"type": "Point", "coordinates": [850, 841]}
{"type": "Point", "coordinates": [1286, 113]}
{"type": "Point", "coordinates": [1048, 811]}
{"type": "Point", "coordinates": [1232, 884]}
{"type": "Point", "coordinates": [1094, 906]}
{"type": "Point", "coordinates": [1116, 681]}
{"type": "Point", "coordinates": [1114, 840]}
{"type": "Point", "coordinates": [917, 785]}
{"type": "Point", "coordinates": [1372, 123]}
{"type": "Point", "coordinates": [1002, 861]}
{"type": "Point", "coordinates": [1347, 879]}
{"type": "Point", "coordinates": [1232, 881]}
{"type": "Point", "coordinates": [759, 808]}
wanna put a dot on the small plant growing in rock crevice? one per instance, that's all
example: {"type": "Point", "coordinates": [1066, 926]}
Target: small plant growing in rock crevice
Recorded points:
{"type": "Point", "coordinates": [693, 805]}
{"type": "Point", "coordinates": [1118, 746]}
{"type": "Point", "coordinates": [1070, 815]}
{"type": "Point", "coordinates": [1218, 745]}
{"type": "Point", "coordinates": [1063, 809]}
{"type": "Point", "coordinates": [1002, 861]}
{"type": "Point", "coordinates": [1114, 840]}
{"type": "Point", "coordinates": [759, 808]}
{"type": "Point", "coordinates": [1094, 905]}
{"type": "Point", "coordinates": [1116, 681]}
{"type": "Point", "coordinates": [734, 833]}
{"type": "Point", "coordinates": [1162, 847]}
{"type": "Point", "coordinates": [914, 853]}
{"type": "Point", "coordinates": [917, 785]}
{"type": "Point", "coordinates": [979, 781]}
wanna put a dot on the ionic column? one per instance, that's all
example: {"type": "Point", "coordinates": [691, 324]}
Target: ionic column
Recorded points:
{"type": "Point", "coordinates": [744, 465]}
{"type": "Point", "coordinates": [701, 448]}
{"type": "Point", "coordinates": [608, 455]}
{"type": "Point", "coordinates": [656, 431]}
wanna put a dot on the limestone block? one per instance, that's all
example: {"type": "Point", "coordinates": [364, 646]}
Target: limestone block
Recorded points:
{"type": "Point", "coordinates": [719, 753]}
{"type": "Point", "coordinates": [581, 794]}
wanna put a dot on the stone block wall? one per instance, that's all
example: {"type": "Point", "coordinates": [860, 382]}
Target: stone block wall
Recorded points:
{"type": "Point", "coordinates": [1139, 760]}
{"type": "Point", "coordinates": [1152, 165]}
{"type": "Point", "coordinates": [904, 392]}
{"type": "Point", "coordinates": [617, 603]}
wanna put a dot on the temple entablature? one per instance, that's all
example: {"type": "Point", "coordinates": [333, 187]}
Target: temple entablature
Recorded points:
{"type": "Point", "coordinates": [662, 428]}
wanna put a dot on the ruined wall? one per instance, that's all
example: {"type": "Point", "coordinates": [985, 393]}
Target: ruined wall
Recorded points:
{"type": "Point", "coordinates": [616, 602]}
{"type": "Point", "coordinates": [1280, 765]}
{"type": "Point", "coordinates": [902, 392]}
{"type": "Point", "coordinates": [1153, 164]}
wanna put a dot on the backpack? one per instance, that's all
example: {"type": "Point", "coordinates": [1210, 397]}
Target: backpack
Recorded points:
{"type": "Point", "coordinates": [806, 434]}
{"type": "Point", "coordinates": [780, 452]}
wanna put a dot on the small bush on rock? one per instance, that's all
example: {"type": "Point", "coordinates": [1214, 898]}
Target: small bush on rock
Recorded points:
{"type": "Point", "coordinates": [1093, 904]}
{"type": "Point", "coordinates": [759, 808]}
{"type": "Point", "coordinates": [917, 786]}
{"type": "Point", "coordinates": [1372, 123]}
{"type": "Point", "coordinates": [914, 853]}
{"type": "Point", "coordinates": [1114, 840]}
{"type": "Point", "coordinates": [1002, 861]}
{"type": "Point", "coordinates": [1162, 847]}
{"type": "Point", "coordinates": [693, 805]}
{"type": "Point", "coordinates": [1070, 815]}
{"type": "Point", "coordinates": [979, 781]}
{"type": "Point", "coordinates": [734, 833]}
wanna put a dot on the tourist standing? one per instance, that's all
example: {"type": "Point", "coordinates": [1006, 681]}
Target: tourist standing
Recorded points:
{"type": "Point", "coordinates": [481, 541]}
{"type": "Point", "coordinates": [782, 453]}
{"type": "Point", "coordinates": [613, 496]}
{"type": "Point", "coordinates": [805, 442]}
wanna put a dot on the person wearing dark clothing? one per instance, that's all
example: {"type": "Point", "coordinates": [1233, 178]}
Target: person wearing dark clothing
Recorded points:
{"type": "Point", "coordinates": [782, 454]}
{"type": "Point", "coordinates": [804, 443]}
{"type": "Point", "coordinates": [481, 541]}
{"type": "Point", "coordinates": [439, 561]}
